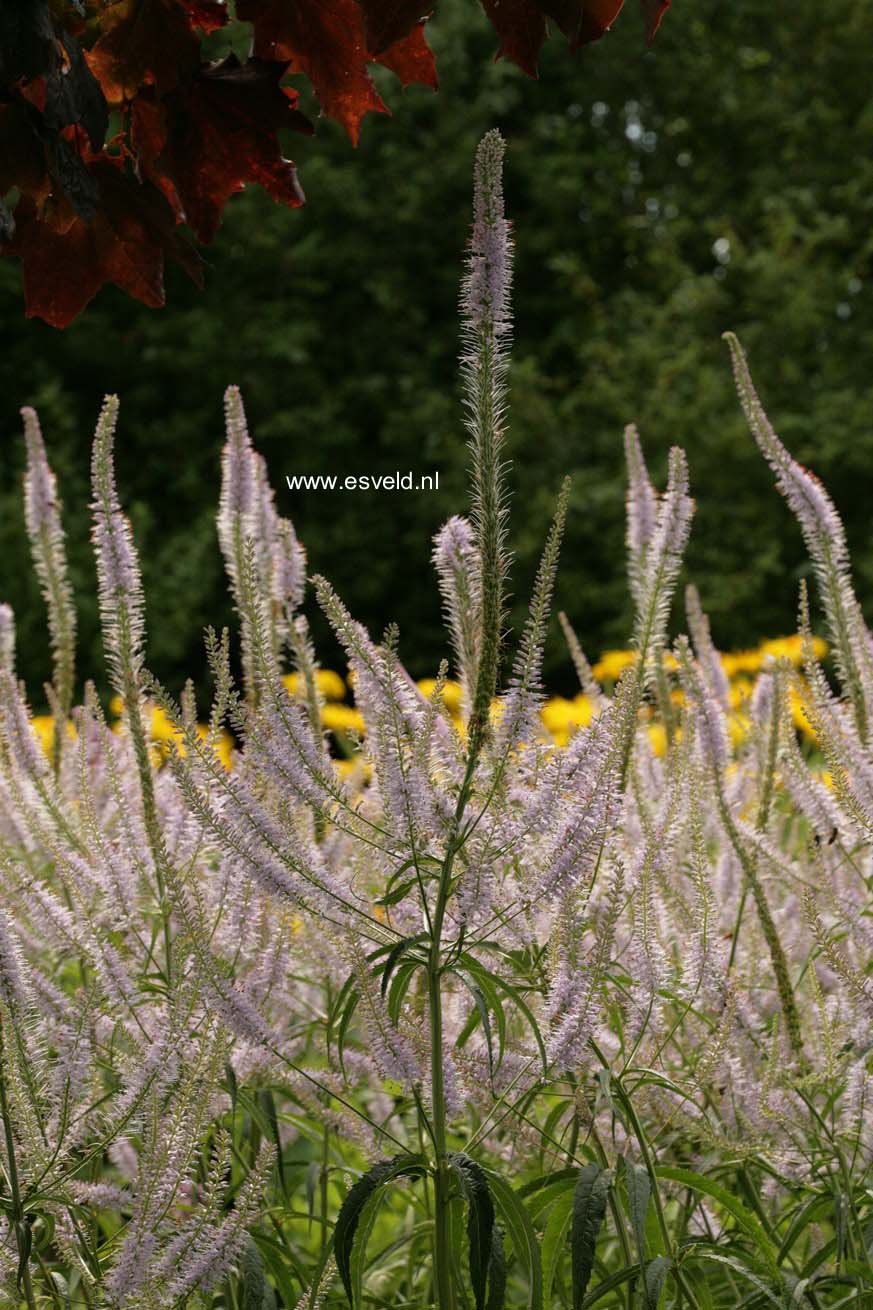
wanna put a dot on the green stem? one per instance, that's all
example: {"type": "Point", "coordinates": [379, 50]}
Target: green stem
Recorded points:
{"type": "Point", "coordinates": [17, 1212]}
{"type": "Point", "coordinates": [444, 1290]}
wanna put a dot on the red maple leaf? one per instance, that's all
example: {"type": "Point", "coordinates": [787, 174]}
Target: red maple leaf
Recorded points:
{"type": "Point", "coordinates": [150, 43]}
{"type": "Point", "coordinates": [653, 13]}
{"type": "Point", "coordinates": [202, 145]}
{"type": "Point", "coordinates": [327, 41]}
{"type": "Point", "coordinates": [521, 29]}
{"type": "Point", "coordinates": [66, 260]}
{"type": "Point", "coordinates": [193, 133]}
{"type": "Point", "coordinates": [387, 21]}
{"type": "Point", "coordinates": [411, 59]}
{"type": "Point", "coordinates": [521, 25]}
{"type": "Point", "coordinates": [22, 154]}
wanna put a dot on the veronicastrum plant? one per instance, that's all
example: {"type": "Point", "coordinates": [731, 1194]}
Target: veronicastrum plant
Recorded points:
{"type": "Point", "coordinates": [473, 1019]}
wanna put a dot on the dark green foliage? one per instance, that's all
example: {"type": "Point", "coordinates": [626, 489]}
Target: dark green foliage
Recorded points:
{"type": "Point", "coordinates": [589, 1211]}
{"type": "Point", "coordinates": [356, 1202]}
{"type": "Point", "coordinates": [255, 1292]}
{"type": "Point", "coordinates": [473, 1182]}
{"type": "Point", "coordinates": [746, 123]}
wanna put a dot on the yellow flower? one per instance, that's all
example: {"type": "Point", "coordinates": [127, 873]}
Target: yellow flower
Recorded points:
{"type": "Point", "coordinates": [223, 745]}
{"type": "Point", "coordinates": [330, 684]}
{"type": "Point", "coordinates": [342, 718]}
{"type": "Point", "coordinates": [452, 693]}
{"type": "Point", "coordinates": [791, 648]}
{"type": "Point", "coordinates": [612, 663]}
{"type": "Point", "coordinates": [658, 739]}
{"type": "Point", "coordinates": [801, 722]}
{"type": "Point", "coordinates": [44, 727]}
{"type": "Point", "coordinates": [163, 731]}
{"type": "Point", "coordinates": [740, 691]}
{"type": "Point", "coordinates": [162, 728]}
{"type": "Point", "coordinates": [356, 765]}
{"type": "Point", "coordinates": [738, 728]}
{"type": "Point", "coordinates": [742, 661]}
{"type": "Point", "coordinates": [561, 717]}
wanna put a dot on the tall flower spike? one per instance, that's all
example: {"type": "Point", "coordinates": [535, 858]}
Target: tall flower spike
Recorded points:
{"type": "Point", "coordinates": [642, 509]}
{"type": "Point", "coordinates": [42, 512]}
{"type": "Point", "coordinates": [486, 328]}
{"type": "Point", "coordinates": [120, 585]}
{"type": "Point", "coordinates": [663, 559]}
{"type": "Point", "coordinates": [825, 540]}
{"type": "Point", "coordinates": [7, 639]}
{"type": "Point", "coordinates": [457, 563]}
{"type": "Point", "coordinates": [704, 648]}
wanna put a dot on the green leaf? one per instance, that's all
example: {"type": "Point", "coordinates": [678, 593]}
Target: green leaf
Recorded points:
{"type": "Point", "coordinates": [356, 1199]}
{"type": "Point", "coordinates": [653, 1283]}
{"type": "Point", "coordinates": [549, 1180]}
{"type": "Point", "coordinates": [480, 1220]}
{"type": "Point", "coordinates": [589, 1211]}
{"type": "Point", "coordinates": [313, 1171]}
{"type": "Point", "coordinates": [268, 1109]}
{"type": "Point", "coordinates": [482, 1009]}
{"type": "Point", "coordinates": [496, 1271]}
{"type": "Point", "coordinates": [399, 987]}
{"type": "Point", "coordinates": [554, 1240]}
{"type": "Point", "coordinates": [639, 1191]}
{"type": "Point", "coordinates": [62, 1288]}
{"type": "Point", "coordinates": [746, 1220]}
{"type": "Point", "coordinates": [255, 1292]}
{"type": "Point", "coordinates": [230, 1075]}
{"type": "Point", "coordinates": [522, 1235]}
{"type": "Point", "coordinates": [742, 1269]}
{"type": "Point", "coordinates": [394, 957]}
{"type": "Point", "coordinates": [24, 1235]}
{"type": "Point", "coordinates": [350, 1007]}
{"type": "Point", "coordinates": [358, 1261]}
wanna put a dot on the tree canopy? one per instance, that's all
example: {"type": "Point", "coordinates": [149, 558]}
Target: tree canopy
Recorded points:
{"type": "Point", "coordinates": [722, 179]}
{"type": "Point", "coordinates": [127, 125]}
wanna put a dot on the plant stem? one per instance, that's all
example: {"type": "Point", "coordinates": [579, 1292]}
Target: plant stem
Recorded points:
{"type": "Point", "coordinates": [17, 1213]}
{"type": "Point", "coordinates": [444, 1290]}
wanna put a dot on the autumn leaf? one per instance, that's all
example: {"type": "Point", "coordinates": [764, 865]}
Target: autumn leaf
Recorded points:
{"type": "Point", "coordinates": [192, 131]}
{"type": "Point", "coordinates": [149, 43]}
{"type": "Point", "coordinates": [389, 21]}
{"type": "Point", "coordinates": [327, 41]}
{"type": "Point", "coordinates": [521, 28]}
{"type": "Point", "coordinates": [411, 59]}
{"type": "Point", "coordinates": [202, 146]}
{"type": "Point", "coordinates": [324, 39]}
{"type": "Point", "coordinates": [653, 13]}
{"type": "Point", "coordinates": [66, 259]}
{"type": "Point", "coordinates": [522, 25]}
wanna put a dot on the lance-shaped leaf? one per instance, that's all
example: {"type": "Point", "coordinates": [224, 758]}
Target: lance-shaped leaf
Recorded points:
{"type": "Point", "coordinates": [351, 1211]}
{"type": "Point", "coordinates": [480, 1220]}
{"type": "Point", "coordinates": [589, 1210]}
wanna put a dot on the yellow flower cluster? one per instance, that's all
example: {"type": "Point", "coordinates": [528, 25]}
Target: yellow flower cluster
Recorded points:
{"type": "Point", "coordinates": [561, 716]}
{"type": "Point", "coordinates": [160, 728]}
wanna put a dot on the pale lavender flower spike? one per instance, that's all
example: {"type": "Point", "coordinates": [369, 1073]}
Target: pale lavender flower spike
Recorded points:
{"type": "Point", "coordinates": [42, 513]}
{"type": "Point", "coordinates": [642, 507]}
{"type": "Point", "coordinates": [486, 290]}
{"type": "Point", "coordinates": [121, 597]}
{"type": "Point", "coordinates": [825, 540]}
{"type": "Point", "coordinates": [7, 638]}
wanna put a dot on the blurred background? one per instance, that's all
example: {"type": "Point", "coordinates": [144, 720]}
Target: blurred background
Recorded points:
{"type": "Point", "coordinates": [723, 179]}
